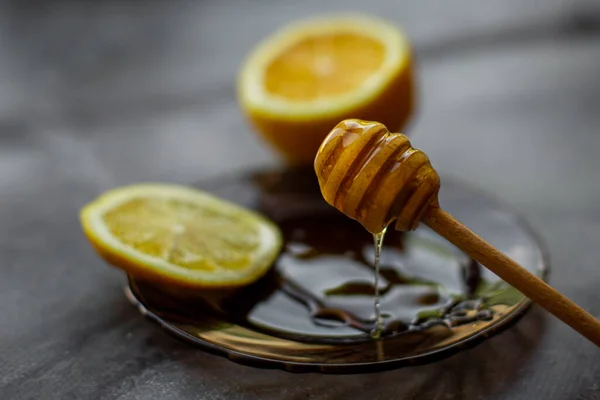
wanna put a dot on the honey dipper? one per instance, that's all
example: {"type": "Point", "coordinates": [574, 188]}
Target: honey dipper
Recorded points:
{"type": "Point", "coordinates": [376, 178]}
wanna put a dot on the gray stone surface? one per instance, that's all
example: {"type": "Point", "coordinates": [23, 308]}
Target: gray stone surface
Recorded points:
{"type": "Point", "coordinates": [97, 94]}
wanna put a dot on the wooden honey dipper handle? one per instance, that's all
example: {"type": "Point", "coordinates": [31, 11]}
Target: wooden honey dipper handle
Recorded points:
{"type": "Point", "coordinates": [524, 281]}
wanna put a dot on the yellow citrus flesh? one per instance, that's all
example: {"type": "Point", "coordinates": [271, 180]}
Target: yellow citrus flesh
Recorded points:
{"type": "Point", "coordinates": [179, 235]}
{"type": "Point", "coordinates": [302, 80]}
{"type": "Point", "coordinates": [323, 67]}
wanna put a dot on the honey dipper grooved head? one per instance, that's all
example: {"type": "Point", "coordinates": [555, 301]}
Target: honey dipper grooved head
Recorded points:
{"type": "Point", "coordinates": [375, 176]}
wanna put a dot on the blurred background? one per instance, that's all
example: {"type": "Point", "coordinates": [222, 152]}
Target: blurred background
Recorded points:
{"type": "Point", "coordinates": [95, 94]}
{"type": "Point", "coordinates": [146, 90]}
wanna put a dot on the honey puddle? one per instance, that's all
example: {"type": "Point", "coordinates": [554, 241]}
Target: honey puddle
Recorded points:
{"type": "Point", "coordinates": [322, 287]}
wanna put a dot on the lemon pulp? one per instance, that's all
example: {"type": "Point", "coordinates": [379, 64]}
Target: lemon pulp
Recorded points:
{"type": "Point", "coordinates": [324, 66]}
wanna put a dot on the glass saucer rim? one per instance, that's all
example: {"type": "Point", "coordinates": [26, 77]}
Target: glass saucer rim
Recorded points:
{"type": "Point", "coordinates": [468, 342]}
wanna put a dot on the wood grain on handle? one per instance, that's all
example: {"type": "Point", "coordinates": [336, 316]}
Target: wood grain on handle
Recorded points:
{"type": "Point", "coordinates": [511, 272]}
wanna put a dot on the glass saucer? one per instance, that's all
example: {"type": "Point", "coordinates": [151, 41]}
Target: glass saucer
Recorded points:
{"type": "Point", "coordinates": [313, 310]}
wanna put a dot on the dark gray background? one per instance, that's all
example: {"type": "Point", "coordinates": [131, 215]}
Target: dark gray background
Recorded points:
{"type": "Point", "coordinates": [95, 94]}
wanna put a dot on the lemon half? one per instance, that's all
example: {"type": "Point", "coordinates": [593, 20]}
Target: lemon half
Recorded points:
{"type": "Point", "coordinates": [179, 235]}
{"type": "Point", "coordinates": [298, 83]}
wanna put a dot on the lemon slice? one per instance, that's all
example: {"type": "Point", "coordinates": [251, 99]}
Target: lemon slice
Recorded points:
{"type": "Point", "coordinates": [298, 83]}
{"type": "Point", "coordinates": [180, 235]}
